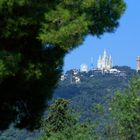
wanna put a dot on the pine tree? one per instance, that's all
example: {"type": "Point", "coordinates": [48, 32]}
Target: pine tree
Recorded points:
{"type": "Point", "coordinates": [34, 38]}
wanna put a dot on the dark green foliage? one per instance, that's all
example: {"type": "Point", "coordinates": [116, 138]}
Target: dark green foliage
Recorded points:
{"type": "Point", "coordinates": [91, 98]}
{"type": "Point", "coordinates": [98, 89]}
{"type": "Point", "coordinates": [61, 123]}
{"type": "Point", "coordinates": [58, 118]}
{"type": "Point", "coordinates": [77, 132]}
{"type": "Point", "coordinates": [8, 63]}
{"type": "Point", "coordinates": [34, 37]}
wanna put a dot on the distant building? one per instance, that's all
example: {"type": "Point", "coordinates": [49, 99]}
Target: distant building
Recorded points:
{"type": "Point", "coordinates": [77, 80]}
{"type": "Point", "coordinates": [83, 68]}
{"type": "Point", "coordinates": [62, 78]}
{"type": "Point", "coordinates": [138, 63]}
{"type": "Point", "coordinates": [114, 71]}
{"type": "Point", "coordinates": [104, 62]}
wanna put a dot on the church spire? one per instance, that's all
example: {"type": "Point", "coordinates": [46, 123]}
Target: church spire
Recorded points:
{"type": "Point", "coordinates": [104, 62]}
{"type": "Point", "coordinates": [110, 61]}
{"type": "Point", "coordinates": [99, 63]}
{"type": "Point", "coordinates": [105, 53]}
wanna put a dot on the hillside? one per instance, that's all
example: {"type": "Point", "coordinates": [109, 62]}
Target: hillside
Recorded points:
{"type": "Point", "coordinates": [85, 91]}
{"type": "Point", "coordinates": [93, 87]}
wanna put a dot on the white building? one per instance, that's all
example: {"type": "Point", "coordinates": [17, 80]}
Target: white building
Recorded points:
{"type": "Point", "coordinates": [77, 79]}
{"type": "Point", "coordinates": [62, 78]}
{"type": "Point", "coordinates": [83, 68]}
{"type": "Point", "coordinates": [114, 71]}
{"type": "Point", "coordinates": [104, 62]}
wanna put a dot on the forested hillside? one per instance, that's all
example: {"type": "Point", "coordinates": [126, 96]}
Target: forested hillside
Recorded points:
{"type": "Point", "coordinates": [93, 88]}
{"type": "Point", "coordinates": [89, 97]}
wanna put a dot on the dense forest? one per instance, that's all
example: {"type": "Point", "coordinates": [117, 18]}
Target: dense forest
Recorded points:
{"type": "Point", "coordinates": [93, 88]}
{"type": "Point", "coordinates": [90, 99]}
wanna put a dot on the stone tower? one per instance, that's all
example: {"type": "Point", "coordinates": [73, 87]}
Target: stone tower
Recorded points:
{"type": "Point", "coordinates": [138, 63]}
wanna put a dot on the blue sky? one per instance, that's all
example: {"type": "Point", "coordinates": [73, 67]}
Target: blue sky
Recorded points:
{"type": "Point", "coordinates": [123, 44]}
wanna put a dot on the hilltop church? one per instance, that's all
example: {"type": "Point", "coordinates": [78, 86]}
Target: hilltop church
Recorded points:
{"type": "Point", "coordinates": [104, 62]}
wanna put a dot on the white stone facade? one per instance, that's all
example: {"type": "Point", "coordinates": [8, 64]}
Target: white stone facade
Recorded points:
{"type": "Point", "coordinates": [104, 62]}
